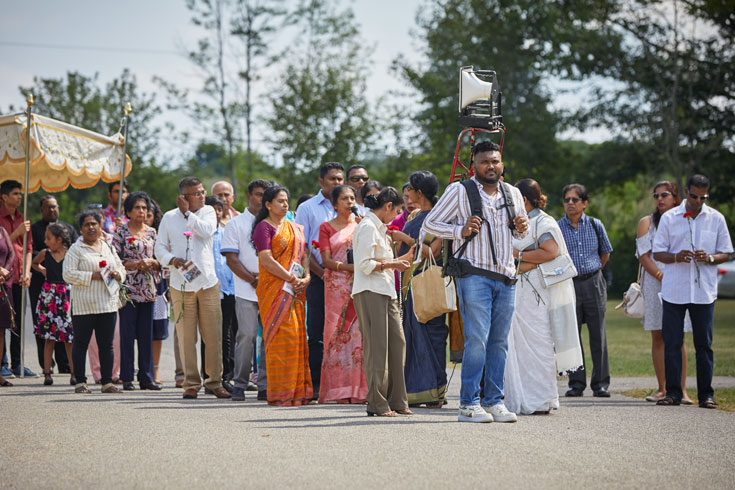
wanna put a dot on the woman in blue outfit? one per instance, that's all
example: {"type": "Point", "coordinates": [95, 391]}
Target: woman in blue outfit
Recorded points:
{"type": "Point", "coordinates": [426, 343]}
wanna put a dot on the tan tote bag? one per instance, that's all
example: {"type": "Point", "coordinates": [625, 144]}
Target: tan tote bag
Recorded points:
{"type": "Point", "coordinates": [433, 295]}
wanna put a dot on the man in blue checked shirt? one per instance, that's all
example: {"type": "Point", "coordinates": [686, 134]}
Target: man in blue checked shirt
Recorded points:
{"type": "Point", "coordinates": [590, 250]}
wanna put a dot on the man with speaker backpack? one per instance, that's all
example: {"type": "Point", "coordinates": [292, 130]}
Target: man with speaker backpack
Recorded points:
{"type": "Point", "coordinates": [482, 215]}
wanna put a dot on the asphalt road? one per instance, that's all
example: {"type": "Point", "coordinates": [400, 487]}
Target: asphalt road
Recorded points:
{"type": "Point", "coordinates": [53, 438]}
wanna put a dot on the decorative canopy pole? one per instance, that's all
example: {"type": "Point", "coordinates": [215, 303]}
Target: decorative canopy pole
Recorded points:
{"type": "Point", "coordinates": [126, 121]}
{"type": "Point", "coordinates": [29, 103]}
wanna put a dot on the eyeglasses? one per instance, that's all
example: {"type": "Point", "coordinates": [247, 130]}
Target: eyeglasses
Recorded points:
{"type": "Point", "coordinates": [701, 198]}
{"type": "Point", "coordinates": [575, 200]}
{"type": "Point", "coordinates": [663, 195]}
{"type": "Point", "coordinates": [358, 178]}
{"type": "Point", "coordinates": [197, 194]}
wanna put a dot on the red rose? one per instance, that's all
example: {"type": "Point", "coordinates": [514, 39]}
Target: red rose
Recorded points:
{"type": "Point", "coordinates": [131, 240]}
{"type": "Point", "coordinates": [394, 228]}
{"type": "Point", "coordinates": [103, 264]}
{"type": "Point", "coordinates": [315, 245]}
{"type": "Point", "coordinates": [688, 215]}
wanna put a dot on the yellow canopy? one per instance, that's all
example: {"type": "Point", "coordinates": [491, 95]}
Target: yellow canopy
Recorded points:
{"type": "Point", "coordinates": [61, 154]}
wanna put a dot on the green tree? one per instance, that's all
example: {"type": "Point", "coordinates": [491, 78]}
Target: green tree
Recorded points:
{"type": "Point", "coordinates": [319, 113]}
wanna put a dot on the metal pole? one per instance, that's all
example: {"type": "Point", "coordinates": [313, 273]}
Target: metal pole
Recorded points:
{"type": "Point", "coordinates": [29, 103]}
{"type": "Point", "coordinates": [126, 119]}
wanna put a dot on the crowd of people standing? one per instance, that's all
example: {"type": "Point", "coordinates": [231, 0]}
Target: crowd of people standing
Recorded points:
{"type": "Point", "coordinates": [317, 305]}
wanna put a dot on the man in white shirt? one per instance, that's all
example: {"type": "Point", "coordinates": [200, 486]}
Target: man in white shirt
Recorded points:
{"type": "Point", "coordinates": [224, 191]}
{"type": "Point", "coordinates": [184, 245]}
{"type": "Point", "coordinates": [311, 215]}
{"type": "Point", "coordinates": [237, 247]}
{"type": "Point", "coordinates": [691, 239]}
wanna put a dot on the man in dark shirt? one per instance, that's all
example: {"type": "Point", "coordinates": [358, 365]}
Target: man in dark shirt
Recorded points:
{"type": "Point", "coordinates": [49, 214]}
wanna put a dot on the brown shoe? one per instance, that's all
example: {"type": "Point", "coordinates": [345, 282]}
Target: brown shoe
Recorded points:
{"type": "Point", "coordinates": [221, 393]}
{"type": "Point", "coordinates": [190, 394]}
{"type": "Point", "coordinates": [110, 388]}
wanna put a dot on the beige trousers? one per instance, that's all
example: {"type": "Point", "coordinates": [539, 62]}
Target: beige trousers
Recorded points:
{"type": "Point", "coordinates": [203, 316]}
{"type": "Point", "coordinates": [384, 351]}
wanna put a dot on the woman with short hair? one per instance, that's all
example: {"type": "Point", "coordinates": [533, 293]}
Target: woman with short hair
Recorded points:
{"type": "Point", "coordinates": [89, 266]}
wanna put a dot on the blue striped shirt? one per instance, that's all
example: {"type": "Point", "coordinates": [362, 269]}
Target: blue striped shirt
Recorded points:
{"type": "Point", "coordinates": [582, 243]}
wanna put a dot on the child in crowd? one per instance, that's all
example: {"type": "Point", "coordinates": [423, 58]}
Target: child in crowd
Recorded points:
{"type": "Point", "coordinates": [53, 309]}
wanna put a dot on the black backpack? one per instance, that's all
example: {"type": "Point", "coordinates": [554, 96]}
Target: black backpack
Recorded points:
{"type": "Point", "coordinates": [454, 264]}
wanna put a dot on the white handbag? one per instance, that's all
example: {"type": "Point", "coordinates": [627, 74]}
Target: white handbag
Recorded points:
{"type": "Point", "coordinates": [633, 304]}
{"type": "Point", "coordinates": [558, 270]}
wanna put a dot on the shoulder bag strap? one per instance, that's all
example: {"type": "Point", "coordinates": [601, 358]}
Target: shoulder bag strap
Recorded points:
{"type": "Point", "coordinates": [509, 205]}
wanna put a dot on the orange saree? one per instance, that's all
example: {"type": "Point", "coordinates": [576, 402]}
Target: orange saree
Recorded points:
{"type": "Point", "coordinates": [283, 319]}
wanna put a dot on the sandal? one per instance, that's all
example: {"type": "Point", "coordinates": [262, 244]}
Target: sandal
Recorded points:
{"type": "Point", "coordinates": [82, 388]}
{"type": "Point", "coordinates": [5, 383]}
{"type": "Point", "coordinates": [668, 401]}
{"type": "Point", "coordinates": [47, 379]}
{"type": "Point", "coordinates": [659, 395]}
{"type": "Point", "coordinates": [687, 401]}
{"type": "Point", "coordinates": [110, 388]}
{"type": "Point", "coordinates": [438, 404]}
{"type": "Point", "coordinates": [708, 403]}
{"type": "Point", "coordinates": [390, 413]}
{"type": "Point", "coordinates": [405, 411]}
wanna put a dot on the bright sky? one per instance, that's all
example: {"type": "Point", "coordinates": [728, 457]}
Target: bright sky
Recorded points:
{"type": "Point", "coordinates": [49, 38]}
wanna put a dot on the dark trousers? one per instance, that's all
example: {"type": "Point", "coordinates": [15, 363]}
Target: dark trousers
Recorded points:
{"type": "Point", "coordinates": [136, 324]}
{"type": "Point", "coordinates": [315, 328]}
{"type": "Point", "coordinates": [34, 292]}
{"type": "Point", "coordinates": [229, 330]}
{"type": "Point", "coordinates": [103, 326]}
{"type": "Point", "coordinates": [672, 331]}
{"type": "Point", "coordinates": [591, 296]}
{"type": "Point", "coordinates": [15, 339]}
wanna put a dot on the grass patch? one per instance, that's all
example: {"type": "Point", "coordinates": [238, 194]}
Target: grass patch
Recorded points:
{"type": "Point", "coordinates": [724, 397]}
{"type": "Point", "coordinates": [629, 346]}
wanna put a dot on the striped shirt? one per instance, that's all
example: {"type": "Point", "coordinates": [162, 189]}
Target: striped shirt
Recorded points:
{"type": "Point", "coordinates": [451, 213]}
{"type": "Point", "coordinates": [582, 242]}
{"type": "Point", "coordinates": [90, 297]}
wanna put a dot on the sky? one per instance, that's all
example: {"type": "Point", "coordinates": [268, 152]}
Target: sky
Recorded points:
{"type": "Point", "coordinates": [48, 38]}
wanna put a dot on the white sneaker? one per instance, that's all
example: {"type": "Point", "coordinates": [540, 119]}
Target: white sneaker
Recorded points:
{"type": "Point", "coordinates": [473, 413]}
{"type": "Point", "coordinates": [500, 413]}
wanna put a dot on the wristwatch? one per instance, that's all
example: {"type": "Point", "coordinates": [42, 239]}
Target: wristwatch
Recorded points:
{"type": "Point", "coordinates": [186, 214]}
{"type": "Point", "coordinates": [711, 259]}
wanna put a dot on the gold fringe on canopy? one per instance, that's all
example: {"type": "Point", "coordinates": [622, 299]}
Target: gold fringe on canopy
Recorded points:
{"type": "Point", "coordinates": [61, 154]}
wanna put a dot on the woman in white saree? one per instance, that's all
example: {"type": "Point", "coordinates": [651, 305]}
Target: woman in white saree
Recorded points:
{"type": "Point", "coordinates": [543, 338]}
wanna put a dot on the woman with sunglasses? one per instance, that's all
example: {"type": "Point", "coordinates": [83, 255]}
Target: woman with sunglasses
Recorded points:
{"type": "Point", "coordinates": [666, 196]}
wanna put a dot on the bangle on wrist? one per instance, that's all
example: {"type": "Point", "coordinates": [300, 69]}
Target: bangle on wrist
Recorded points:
{"type": "Point", "coordinates": [675, 259]}
{"type": "Point", "coordinates": [338, 264]}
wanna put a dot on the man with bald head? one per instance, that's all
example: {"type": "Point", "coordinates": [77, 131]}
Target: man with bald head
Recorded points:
{"type": "Point", "coordinates": [224, 191]}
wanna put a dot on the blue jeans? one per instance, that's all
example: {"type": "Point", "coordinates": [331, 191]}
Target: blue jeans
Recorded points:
{"type": "Point", "coordinates": [487, 310]}
{"type": "Point", "coordinates": [673, 333]}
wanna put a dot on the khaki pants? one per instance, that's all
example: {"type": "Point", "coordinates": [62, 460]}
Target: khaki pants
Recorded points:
{"type": "Point", "coordinates": [201, 309]}
{"type": "Point", "coordinates": [384, 351]}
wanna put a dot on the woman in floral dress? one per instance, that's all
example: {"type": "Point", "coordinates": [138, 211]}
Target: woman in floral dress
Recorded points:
{"type": "Point", "coordinates": [54, 304]}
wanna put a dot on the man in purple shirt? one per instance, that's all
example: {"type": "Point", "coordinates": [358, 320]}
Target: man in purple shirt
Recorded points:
{"type": "Point", "coordinates": [311, 215]}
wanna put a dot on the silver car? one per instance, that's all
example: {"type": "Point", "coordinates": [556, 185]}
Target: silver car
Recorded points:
{"type": "Point", "coordinates": [726, 280]}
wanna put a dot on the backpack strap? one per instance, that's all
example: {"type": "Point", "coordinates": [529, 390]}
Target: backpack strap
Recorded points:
{"type": "Point", "coordinates": [473, 194]}
{"type": "Point", "coordinates": [509, 205]}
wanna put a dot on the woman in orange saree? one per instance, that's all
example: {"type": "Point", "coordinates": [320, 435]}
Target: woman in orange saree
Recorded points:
{"type": "Point", "coordinates": [282, 280]}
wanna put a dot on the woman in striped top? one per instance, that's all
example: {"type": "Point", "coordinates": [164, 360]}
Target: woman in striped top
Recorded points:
{"type": "Point", "coordinates": [94, 307]}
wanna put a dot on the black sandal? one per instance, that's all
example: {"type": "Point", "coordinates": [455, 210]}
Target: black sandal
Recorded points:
{"type": "Point", "coordinates": [47, 379]}
{"type": "Point", "coordinates": [708, 403]}
{"type": "Point", "coordinates": [668, 401]}
{"type": "Point", "coordinates": [5, 383]}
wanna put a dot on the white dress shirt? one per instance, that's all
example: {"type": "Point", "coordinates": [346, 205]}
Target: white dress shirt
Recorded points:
{"type": "Point", "coordinates": [237, 239]}
{"type": "Point", "coordinates": [371, 241]}
{"type": "Point", "coordinates": [171, 243]}
{"type": "Point", "coordinates": [311, 214]}
{"type": "Point", "coordinates": [679, 284]}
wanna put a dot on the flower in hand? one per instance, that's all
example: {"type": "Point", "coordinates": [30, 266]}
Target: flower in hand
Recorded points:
{"type": "Point", "coordinates": [103, 264]}
{"type": "Point", "coordinates": [131, 241]}
{"type": "Point", "coordinates": [315, 245]}
{"type": "Point", "coordinates": [188, 234]}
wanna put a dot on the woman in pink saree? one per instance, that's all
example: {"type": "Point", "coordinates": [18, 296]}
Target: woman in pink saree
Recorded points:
{"type": "Point", "coordinates": [343, 377]}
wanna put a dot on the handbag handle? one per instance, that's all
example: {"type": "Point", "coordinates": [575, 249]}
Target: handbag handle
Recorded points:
{"type": "Point", "coordinates": [639, 273]}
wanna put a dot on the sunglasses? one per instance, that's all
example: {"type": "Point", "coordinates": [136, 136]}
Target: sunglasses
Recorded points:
{"type": "Point", "coordinates": [575, 200]}
{"type": "Point", "coordinates": [664, 195]}
{"type": "Point", "coordinates": [701, 198]}
{"type": "Point", "coordinates": [358, 178]}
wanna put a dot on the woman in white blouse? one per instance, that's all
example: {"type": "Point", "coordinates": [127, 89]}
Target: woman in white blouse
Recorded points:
{"type": "Point", "coordinates": [93, 304]}
{"type": "Point", "coordinates": [666, 196]}
{"type": "Point", "coordinates": [374, 294]}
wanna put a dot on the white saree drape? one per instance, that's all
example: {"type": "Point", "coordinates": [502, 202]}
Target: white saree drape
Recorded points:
{"type": "Point", "coordinates": [543, 339]}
